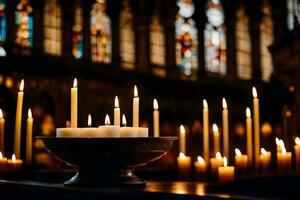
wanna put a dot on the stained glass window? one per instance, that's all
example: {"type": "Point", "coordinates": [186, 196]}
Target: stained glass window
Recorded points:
{"type": "Point", "coordinates": [100, 33]}
{"type": "Point", "coordinates": [215, 38]}
{"type": "Point", "coordinates": [52, 28]}
{"type": "Point", "coordinates": [157, 42]}
{"type": "Point", "coordinates": [77, 37]}
{"type": "Point", "coordinates": [186, 38]}
{"type": "Point", "coordinates": [266, 39]}
{"type": "Point", "coordinates": [243, 45]}
{"type": "Point", "coordinates": [2, 27]}
{"type": "Point", "coordinates": [24, 25]}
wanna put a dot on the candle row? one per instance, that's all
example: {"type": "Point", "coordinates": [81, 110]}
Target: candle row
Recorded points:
{"type": "Point", "coordinates": [12, 164]}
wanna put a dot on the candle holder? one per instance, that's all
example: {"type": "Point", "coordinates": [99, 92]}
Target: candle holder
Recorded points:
{"type": "Point", "coordinates": [106, 162]}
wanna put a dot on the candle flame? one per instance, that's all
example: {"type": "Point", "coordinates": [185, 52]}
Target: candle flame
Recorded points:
{"type": "Point", "coordinates": [237, 152]}
{"type": "Point", "coordinates": [107, 120]}
{"type": "Point", "coordinates": [1, 113]}
{"type": "Point", "coordinates": [29, 114]}
{"type": "Point", "coordinates": [205, 105]}
{"type": "Point", "coordinates": [181, 155]}
{"type": "Point", "coordinates": [182, 129]}
{"type": "Point", "coordinates": [248, 112]}
{"type": "Point", "coordinates": [124, 120]}
{"type": "Point", "coordinates": [225, 161]}
{"type": "Point", "coordinates": [200, 159]}
{"type": "Point", "coordinates": [224, 103]}
{"type": "Point", "coordinates": [1, 156]}
{"type": "Point", "coordinates": [21, 88]}
{"type": "Point", "coordinates": [155, 104]}
{"type": "Point", "coordinates": [283, 149]}
{"type": "Point", "coordinates": [116, 102]}
{"type": "Point", "coordinates": [75, 83]}
{"type": "Point", "coordinates": [218, 155]}
{"type": "Point", "coordinates": [135, 92]}
{"type": "Point", "coordinates": [13, 158]}
{"type": "Point", "coordinates": [215, 128]}
{"type": "Point", "coordinates": [263, 151]}
{"type": "Point", "coordinates": [254, 92]}
{"type": "Point", "coordinates": [297, 141]}
{"type": "Point", "coordinates": [89, 120]}
{"type": "Point", "coordinates": [277, 141]}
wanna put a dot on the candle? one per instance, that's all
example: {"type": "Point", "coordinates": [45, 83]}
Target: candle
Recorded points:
{"type": "Point", "coordinates": [256, 127]}
{"type": "Point", "coordinates": [142, 132]}
{"type": "Point", "coordinates": [90, 132]}
{"type": "Point", "coordinates": [2, 128]}
{"type": "Point", "coordinates": [216, 139]}
{"type": "Point", "coordinates": [265, 160]}
{"type": "Point", "coordinates": [182, 139]}
{"type": "Point", "coordinates": [68, 132]}
{"type": "Point", "coordinates": [14, 164]}
{"type": "Point", "coordinates": [226, 173]}
{"type": "Point", "coordinates": [74, 99]}
{"type": "Point", "coordinates": [241, 161]}
{"type": "Point", "coordinates": [284, 160]}
{"type": "Point", "coordinates": [297, 153]}
{"type": "Point", "coordinates": [215, 163]}
{"type": "Point", "coordinates": [184, 166]}
{"type": "Point", "coordinates": [108, 130]}
{"type": "Point", "coordinates": [127, 131]}
{"type": "Point", "coordinates": [225, 128]}
{"type": "Point", "coordinates": [117, 113]}
{"type": "Point", "coordinates": [29, 138]}
{"type": "Point", "coordinates": [249, 137]}
{"type": "Point", "coordinates": [135, 120]}
{"type": "Point", "coordinates": [17, 142]}
{"type": "Point", "coordinates": [155, 119]}
{"type": "Point", "coordinates": [3, 162]}
{"type": "Point", "coordinates": [205, 131]}
{"type": "Point", "coordinates": [200, 167]}
{"type": "Point", "coordinates": [279, 143]}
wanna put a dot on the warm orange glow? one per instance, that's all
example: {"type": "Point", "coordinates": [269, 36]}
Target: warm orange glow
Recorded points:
{"type": "Point", "coordinates": [116, 102]}
{"type": "Point", "coordinates": [205, 105]}
{"type": "Point", "coordinates": [1, 114]}
{"type": "Point", "coordinates": [237, 152]}
{"type": "Point", "coordinates": [107, 120]}
{"type": "Point", "coordinates": [263, 151]}
{"type": "Point", "coordinates": [218, 155]}
{"type": "Point", "coordinates": [225, 162]}
{"type": "Point", "coordinates": [135, 92]}
{"type": "Point", "coordinates": [254, 92]}
{"type": "Point", "coordinates": [13, 158]}
{"type": "Point", "coordinates": [124, 120]}
{"type": "Point", "coordinates": [200, 159]}
{"type": "Point", "coordinates": [182, 129]}
{"type": "Point", "coordinates": [224, 103]}
{"type": "Point", "coordinates": [90, 120]}
{"type": "Point", "coordinates": [297, 141]}
{"type": "Point", "coordinates": [75, 83]}
{"type": "Point", "coordinates": [29, 113]}
{"type": "Point", "coordinates": [21, 86]}
{"type": "Point", "coordinates": [155, 104]}
{"type": "Point", "coordinates": [215, 128]}
{"type": "Point", "coordinates": [283, 150]}
{"type": "Point", "coordinates": [248, 112]}
{"type": "Point", "coordinates": [181, 155]}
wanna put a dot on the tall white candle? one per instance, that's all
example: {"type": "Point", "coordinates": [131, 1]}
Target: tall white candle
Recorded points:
{"type": "Point", "coordinates": [17, 142]}
{"type": "Point", "coordinates": [135, 114]}
{"type": "Point", "coordinates": [256, 127]}
{"type": "Point", "coordinates": [182, 140]}
{"type": "Point", "coordinates": [155, 119]}
{"type": "Point", "coordinates": [205, 131]}
{"type": "Point", "coordinates": [297, 153]}
{"type": "Point", "coordinates": [74, 104]}
{"type": "Point", "coordinates": [225, 128]}
{"type": "Point", "coordinates": [2, 128]}
{"type": "Point", "coordinates": [29, 138]}
{"type": "Point", "coordinates": [216, 139]}
{"type": "Point", "coordinates": [117, 114]}
{"type": "Point", "coordinates": [249, 137]}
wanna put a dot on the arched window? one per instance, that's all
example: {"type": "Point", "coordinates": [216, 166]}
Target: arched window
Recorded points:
{"type": "Point", "coordinates": [100, 33]}
{"type": "Point", "coordinates": [127, 37]}
{"type": "Point", "coordinates": [293, 10]}
{"type": "Point", "coordinates": [266, 39]}
{"type": "Point", "coordinates": [52, 28]}
{"type": "Point", "coordinates": [215, 38]}
{"type": "Point", "coordinates": [2, 27]}
{"type": "Point", "coordinates": [24, 25]}
{"type": "Point", "coordinates": [77, 37]}
{"type": "Point", "coordinates": [186, 38]}
{"type": "Point", "coordinates": [243, 45]}
{"type": "Point", "coordinates": [157, 42]}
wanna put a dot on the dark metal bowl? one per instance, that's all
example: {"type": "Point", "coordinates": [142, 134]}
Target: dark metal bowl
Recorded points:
{"type": "Point", "coordinates": [107, 161]}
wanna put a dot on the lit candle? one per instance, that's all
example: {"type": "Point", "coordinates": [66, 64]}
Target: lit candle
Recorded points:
{"type": "Point", "coordinates": [226, 173]}
{"type": "Point", "coordinates": [74, 99]}
{"type": "Point", "coordinates": [14, 164]}
{"type": "Point", "coordinates": [249, 137]}
{"type": "Point", "coordinates": [297, 153]}
{"type": "Point", "coordinates": [108, 130]}
{"type": "Point", "coordinates": [265, 160]}
{"type": "Point", "coordinates": [182, 139]}
{"type": "Point", "coordinates": [205, 131]}
{"type": "Point", "coordinates": [29, 138]}
{"type": "Point", "coordinates": [127, 131]}
{"type": "Point", "coordinates": [225, 128]}
{"type": "Point", "coordinates": [256, 127]}
{"type": "Point", "coordinates": [89, 132]}
{"type": "Point", "coordinates": [135, 120]}
{"type": "Point", "coordinates": [117, 115]}
{"type": "Point", "coordinates": [200, 167]}
{"type": "Point", "coordinates": [3, 162]}
{"type": "Point", "coordinates": [241, 161]}
{"type": "Point", "coordinates": [17, 142]}
{"type": "Point", "coordinates": [216, 137]}
{"type": "Point", "coordinates": [279, 143]}
{"type": "Point", "coordinates": [2, 128]}
{"type": "Point", "coordinates": [155, 119]}
{"type": "Point", "coordinates": [284, 160]}
{"type": "Point", "coordinates": [215, 163]}
{"type": "Point", "coordinates": [184, 166]}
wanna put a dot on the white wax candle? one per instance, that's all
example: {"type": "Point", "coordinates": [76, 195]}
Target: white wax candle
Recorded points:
{"type": "Point", "coordinates": [127, 131]}
{"type": "Point", "coordinates": [184, 166]}
{"type": "Point", "coordinates": [3, 163]}
{"type": "Point", "coordinates": [14, 164]}
{"type": "Point", "coordinates": [226, 173]}
{"type": "Point", "coordinates": [74, 104]}
{"type": "Point", "coordinates": [240, 161]}
{"type": "Point", "coordinates": [2, 128]}
{"type": "Point", "coordinates": [265, 160]}
{"type": "Point", "coordinates": [17, 142]}
{"type": "Point", "coordinates": [216, 136]}
{"type": "Point", "coordinates": [68, 132]}
{"type": "Point", "coordinates": [249, 137]}
{"type": "Point", "coordinates": [135, 114]}
{"type": "Point", "coordinates": [142, 132]}
{"type": "Point", "coordinates": [205, 131]}
{"type": "Point", "coordinates": [117, 114]}
{"type": "Point", "coordinates": [297, 153]}
{"type": "Point", "coordinates": [256, 127]}
{"type": "Point", "coordinates": [284, 160]}
{"type": "Point", "coordinates": [200, 167]}
{"type": "Point", "coordinates": [215, 163]}
{"type": "Point", "coordinates": [29, 138]}
{"type": "Point", "coordinates": [155, 119]}
{"type": "Point", "coordinates": [182, 140]}
{"type": "Point", "coordinates": [109, 130]}
{"type": "Point", "coordinates": [225, 128]}
{"type": "Point", "coordinates": [89, 132]}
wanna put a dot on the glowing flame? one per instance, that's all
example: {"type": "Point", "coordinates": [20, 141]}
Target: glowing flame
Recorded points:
{"type": "Point", "coordinates": [29, 114]}
{"type": "Point", "coordinates": [277, 141]}
{"type": "Point", "coordinates": [13, 158]}
{"type": "Point", "coordinates": [237, 152]}
{"type": "Point", "coordinates": [1, 156]}
{"type": "Point", "coordinates": [155, 104]}
{"type": "Point", "coordinates": [21, 88]}
{"type": "Point", "coordinates": [218, 155]}
{"type": "Point", "coordinates": [283, 150]}
{"type": "Point", "coordinates": [225, 162]}
{"type": "Point", "coordinates": [89, 120]}
{"type": "Point", "coordinates": [200, 159]}
{"type": "Point", "coordinates": [254, 92]}
{"type": "Point", "coordinates": [135, 92]}
{"type": "Point", "coordinates": [75, 83]}
{"type": "Point", "coordinates": [205, 105]}
{"type": "Point", "coordinates": [182, 129]}
{"type": "Point", "coordinates": [297, 141]}
{"type": "Point", "coordinates": [107, 120]}
{"type": "Point", "coordinates": [248, 112]}
{"type": "Point", "coordinates": [215, 128]}
{"type": "Point", "coordinates": [224, 103]}
{"type": "Point", "coordinates": [263, 151]}
{"type": "Point", "coordinates": [116, 102]}
{"type": "Point", "coordinates": [1, 114]}
{"type": "Point", "coordinates": [181, 155]}
{"type": "Point", "coordinates": [124, 120]}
